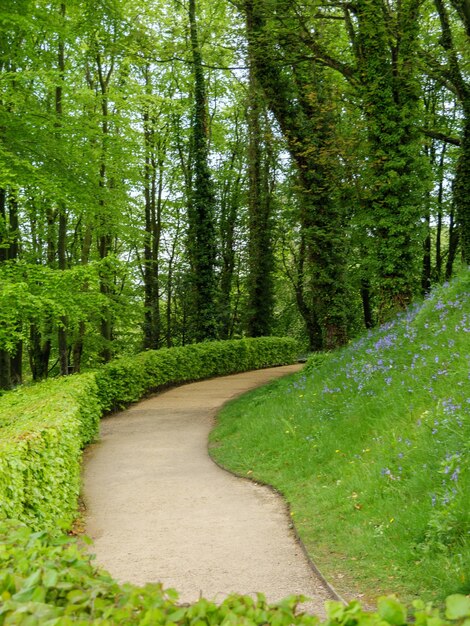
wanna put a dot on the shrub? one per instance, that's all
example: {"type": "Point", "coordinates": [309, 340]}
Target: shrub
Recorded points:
{"type": "Point", "coordinates": [44, 428]}
{"type": "Point", "coordinates": [127, 379]}
{"type": "Point", "coordinates": [46, 580]}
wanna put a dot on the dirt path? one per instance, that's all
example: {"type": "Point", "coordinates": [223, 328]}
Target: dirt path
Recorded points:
{"type": "Point", "coordinates": [160, 510]}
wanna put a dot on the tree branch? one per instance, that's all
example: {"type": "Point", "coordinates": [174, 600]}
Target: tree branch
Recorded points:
{"type": "Point", "coordinates": [455, 141]}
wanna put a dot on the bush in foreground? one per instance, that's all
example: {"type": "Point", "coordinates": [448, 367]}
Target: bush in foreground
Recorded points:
{"type": "Point", "coordinates": [46, 580]}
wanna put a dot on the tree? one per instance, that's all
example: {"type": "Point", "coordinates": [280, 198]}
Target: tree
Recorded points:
{"type": "Point", "coordinates": [298, 97]}
{"type": "Point", "coordinates": [260, 302]}
{"type": "Point", "coordinates": [201, 205]}
{"type": "Point", "coordinates": [454, 77]}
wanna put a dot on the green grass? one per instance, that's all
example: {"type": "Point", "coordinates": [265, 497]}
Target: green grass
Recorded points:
{"type": "Point", "coordinates": [371, 448]}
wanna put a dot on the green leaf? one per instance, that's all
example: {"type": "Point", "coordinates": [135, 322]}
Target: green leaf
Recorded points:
{"type": "Point", "coordinates": [76, 596]}
{"type": "Point", "coordinates": [177, 615]}
{"type": "Point", "coordinates": [32, 580]}
{"type": "Point", "coordinates": [391, 611]}
{"type": "Point", "coordinates": [50, 578]}
{"type": "Point", "coordinates": [457, 606]}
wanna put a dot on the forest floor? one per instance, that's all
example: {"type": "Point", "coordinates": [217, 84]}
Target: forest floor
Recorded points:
{"type": "Point", "coordinates": [159, 509]}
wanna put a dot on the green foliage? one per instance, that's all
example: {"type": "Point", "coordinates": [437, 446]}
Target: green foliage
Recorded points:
{"type": "Point", "coordinates": [201, 243]}
{"type": "Point", "coordinates": [396, 169]}
{"type": "Point", "coordinates": [129, 378]}
{"type": "Point", "coordinates": [316, 360]}
{"type": "Point", "coordinates": [44, 427]}
{"type": "Point", "coordinates": [42, 431]}
{"type": "Point", "coordinates": [46, 580]}
{"type": "Point", "coordinates": [33, 293]}
{"type": "Point", "coordinates": [371, 450]}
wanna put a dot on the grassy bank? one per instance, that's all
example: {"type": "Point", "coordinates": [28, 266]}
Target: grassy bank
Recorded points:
{"type": "Point", "coordinates": [371, 449]}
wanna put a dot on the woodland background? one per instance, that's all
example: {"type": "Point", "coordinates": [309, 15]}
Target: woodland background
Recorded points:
{"type": "Point", "coordinates": [186, 171]}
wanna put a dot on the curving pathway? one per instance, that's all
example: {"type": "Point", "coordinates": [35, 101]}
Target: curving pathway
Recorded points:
{"type": "Point", "coordinates": [158, 509]}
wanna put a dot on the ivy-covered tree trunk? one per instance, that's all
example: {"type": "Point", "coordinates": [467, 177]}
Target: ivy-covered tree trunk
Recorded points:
{"type": "Point", "coordinates": [11, 361]}
{"type": "Point", "coordinates": [389, 92]}
{"type": "Point", "coordinates": [462, 186]}
{"type": "Point", "coordinates": [62, 337]}
{"type": "Point", "coordinates": [306, 309]}
{"type": "Point", "coordinates": [229, 217]}
{"type": "Point", "coordinates": [201, 242]}
{"type": "Point", "coordinates": [303, 111]}
{"type": "Point", "coordinates": [260, 254]}
{"type": "Point", "coordinates": [454, 240]}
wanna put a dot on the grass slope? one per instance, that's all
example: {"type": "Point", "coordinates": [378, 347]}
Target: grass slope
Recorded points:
{"type": "Point", "coordinates": [372, 450]}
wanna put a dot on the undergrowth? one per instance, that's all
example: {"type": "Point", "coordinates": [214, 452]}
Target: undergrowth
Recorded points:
{"type": "Point", "coordinates": [46, 580]}
{"type": "Point", "coordinates": [370, 446]}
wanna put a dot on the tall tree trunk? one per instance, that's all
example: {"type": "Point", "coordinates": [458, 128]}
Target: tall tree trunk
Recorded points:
{"type": "Point", "coordinates": [104, 237]}
{"type": "Point", "coordinates": [3, 225]}
{"type": "Point", "coordinates": [427, 266]}
{"type": "Point", "coordinates": [5, 370]}
{"type": "Point", "coordinates": [40, 334]}
{"type": "Point", "coordinates": [201, 232]}
{"type": "Point", "coordinates": [153, 193]}
{"type": "Point", "coordinates": [260, 255]}
{"type": "Point", "coordinates": [458, 78]}
{"type": "Point", "coordinates": [62, 330]}
{"type": "Point", "coordinates": [39, 353]}
{"type": "Point", "coordinates": [462, 185]}
{"type": "Point", "coordinates": [390, 103]}
{"type": "Point", "coordinates": [62, 234]}
{"type": "Point", "coordinates": [5, 366]}
{"type": "Point", "coordinates": [229, 208]}
{"type": "Point", "coordinates": [366, 303]}
{"type": "Point", "coordinates": [78, 344]}
{"type": "Point", "coordinates": [302, 108]}
{"type": "Point", "coordinates": [16, 357]}
{"type": "Point", "coordinates": [312, 326]}
{"type": "Point", "coordinates": [454, 240]}
{"type": "Point", "coordinates": [440, 211]}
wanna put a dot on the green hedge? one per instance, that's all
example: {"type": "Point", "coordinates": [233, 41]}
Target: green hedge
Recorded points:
{"type": "Point", "coordinates": [46, 581]}
{"type": "Point", "coordinates": [43, 430]}
{"type": "Point", "coordinates": [126, 380]}
{"type": "Point", "coordinates": [44, 427]}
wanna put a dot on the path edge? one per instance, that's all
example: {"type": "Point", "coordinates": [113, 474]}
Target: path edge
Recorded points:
{"type": "Point", "coordinates": [315, 569]}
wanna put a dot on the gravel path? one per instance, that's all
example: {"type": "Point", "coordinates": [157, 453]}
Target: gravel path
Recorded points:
{"type": "Point", "coordinates": [158, 509]}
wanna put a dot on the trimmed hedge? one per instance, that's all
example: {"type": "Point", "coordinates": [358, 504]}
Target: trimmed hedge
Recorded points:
{"type": "Point", "coordinates": [44, 427]}
{"type": "Point", "coordinates": [126, 380]}
{"type": "Point", "coordinates": [46, 581]}
{"type": "Point", "coordinates": [43, 430]}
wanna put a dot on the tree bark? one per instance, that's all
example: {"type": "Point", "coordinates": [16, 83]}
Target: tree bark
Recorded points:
{"type": "Point", "coordinates": [396, 167]}
{"type": "Point", "coordinates": [302, 108]}
{"type": "Point", "coordinates": [229, 209]}
{"type": "Point", "coordinates": [201, 231]}
{"type": "Point", "coordinates": [153, 194]}
{"type": "Point", "coordinates": [62, 234]}
{"type": "Point", "coordinates": [104, 237]}
{"type": "Point", "coordinates": [260, 255]}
